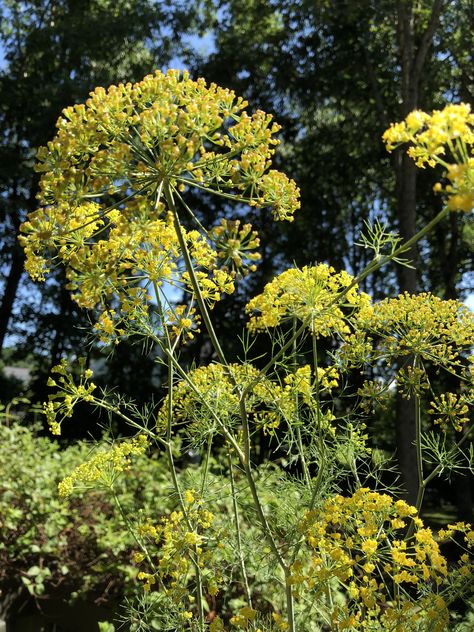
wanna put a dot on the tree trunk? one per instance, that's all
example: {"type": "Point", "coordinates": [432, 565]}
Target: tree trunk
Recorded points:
{"type": "Point", "coordinates": [412, 60]}
{"type": "Point", "coordinates": [407, 277]}
{"type": "Point", "coordinates": [18, 261]}
{"type": "Point", "coordinates": [10, 291]}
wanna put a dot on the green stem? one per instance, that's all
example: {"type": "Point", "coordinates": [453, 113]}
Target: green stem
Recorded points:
{"type": "Point", "coordinates": [206, 465]}
{"type": "Point", "coordinates": [227, 196]}
{"type": "Point", "coordinates": [262, 518]}
{"type": "Point", "coordinates": [211, 411]}
{"type": "Point", "coordinates": [419, 451]}
{"type": "Point", "coordinates": [192, 275]}
{"type": "Point", "coordinates": [250, 386]}
{"type": "Point", "coordinates": [299, 439]}
{"type": "Point", "coordinates": [246, 464]}
{"type": "Point", "coordinates": [188, 380]}
{"type": "Point", "coordinates": [238, 533]}
{"type": "Point", "coordinates": [172, 467]}
{"type": "Point", "coordinates": [191, 214]}
{"type": "Point", "coordinates": [290, 607]}
{"type": "Point", "coordinates": [379, 262]}
{"type": "Point", "coordinates": [314, 347]}
{"type": "Point", "coordinates": [322, 445]}
{"type": "Point", "coordinates": [419, 459]}
{"type": "Point", "coordinates": [425, 482]}
{"type": "Point", "coordinates": [302, 457]}
{"type": "Point", "coordinates": [106, 406]}
{"type": "Point", "coordinates": [271, 541]}
{"type": "Point", "coordinates": [130, 529]}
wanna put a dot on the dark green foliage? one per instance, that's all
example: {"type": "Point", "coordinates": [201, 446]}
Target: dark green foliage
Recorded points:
{"type": "Point", "coordinates": [52, 549]}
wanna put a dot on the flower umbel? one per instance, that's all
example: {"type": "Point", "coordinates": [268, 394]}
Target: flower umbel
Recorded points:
{"type": "Point", "coordinates": [103, 207]}
{"type": "Point", "coordinates": [104, 467]}
{"type": "Point", "coordinates": [310, 295]}
{"type": "Point", "coordinates": [445, 137]}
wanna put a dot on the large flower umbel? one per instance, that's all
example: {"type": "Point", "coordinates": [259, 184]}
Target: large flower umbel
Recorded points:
{"type": "Point", "coordinates": [108, 175]}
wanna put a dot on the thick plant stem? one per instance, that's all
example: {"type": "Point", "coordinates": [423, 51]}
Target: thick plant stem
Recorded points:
{"type": "Point", "coordinates": [304, 465]}
{"type": "Point", "coordinates": [271, 541]}
{"type": "Point", "coordinates": [170, 357]}
{"type": "Point", "coordinates": [290, 604]}
{"type": "Point", "coordinates": [314, 347]}
{"type": "Point", "coordinates": [419, 451]}
{"type": "Point", "coordinates": [322, 445]}
{"type": "Point", "coordinates": [419, 458]}
{"type": "Point", "coordinates": [263, 519]}
{"type": "Point", "coordinates": [206, 465]}
{"type": "Point", "coordinates": [319, 477]}
{"type": "Point", "coordinates": [299, 439]}
{"type": "Point", "coordinates": [246, 464]}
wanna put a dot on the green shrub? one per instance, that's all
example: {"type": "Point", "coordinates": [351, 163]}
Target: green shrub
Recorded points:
{"type": "Point", "coordinates": [52, 548]}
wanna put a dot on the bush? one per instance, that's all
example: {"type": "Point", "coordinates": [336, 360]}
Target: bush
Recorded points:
{"type": "Point", "coordinates": [50, 548]}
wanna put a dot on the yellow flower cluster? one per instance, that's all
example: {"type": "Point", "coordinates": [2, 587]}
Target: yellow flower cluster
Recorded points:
{"type": "Point", "coordinates": [301, 381]}
{"type": "Point", "coordinates": [185, 538]}
{"type": "Point", "coordinates": [359, 541]}
{"type": "Point", "coordinates": [142, 247]}
{"type": "Point", "coordinates": [412, 380]}
{"type": "Point", "coordinates": [310, 295]}
{"type": "Point", "coordinates": [462, 535]}
{"type": "Point", "coordinates": [373, 394]}
{"type": "Point", "coordinates": [246, 619]}
{"type": "Point", "coordinates": [211, 390]}
{"type": "Point", "coordinates": [459, 527]}
{"type": "Point", "coordinates": [106, 175]}
{"type": "Point", "coordinates": [241, 620]}
{"type": "Point", "coordinates": [445, 137]}
{"type": "Point", "coordinates": [104, 467]}
{"type": "Point", "coordinates": [421, 325]}
{"type": "Point", "coordinates": [166, 127]}
{"type": "Point", "coordinates": [450, 410]}
{"type": "Point", "coordinates": [234, 246]}
{"type": "Point", "coordinates": [268, 404]}
{"type": "Point", "coordinates": [61, 403]}
{"type": "Point", "coordinates": [184, 321]}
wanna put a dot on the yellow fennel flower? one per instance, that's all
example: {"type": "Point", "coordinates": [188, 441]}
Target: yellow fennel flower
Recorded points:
{"type": "Point", "coordinates": [109, 175]}
{"type": "Point", "coordinates": [104, 467]}
{"type": "Point", "coordinates": [446, 137]}
{"type": "Point", "coordinates": [315, 295]}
